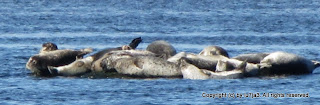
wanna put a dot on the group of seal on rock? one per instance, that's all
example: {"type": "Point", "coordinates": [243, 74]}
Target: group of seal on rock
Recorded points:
{"type": "Point", "coordinates": [50, 57]}
{"type": "Point", "coordinates": [160, 59]}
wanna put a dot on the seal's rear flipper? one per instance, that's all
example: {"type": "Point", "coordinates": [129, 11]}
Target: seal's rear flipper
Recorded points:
{"type": "Point", "coordinates": [316, 63]}
{"type": "Point", "coordinates": [242, 66]}
{"type": "Point", "coordinates": [53, 71]}
{"type": "Point", "coordinates": [135, 42]}
{"type": "Point", "coordinates": [182, 62]}
{"type": "Point", "coordinates": [221, 66]}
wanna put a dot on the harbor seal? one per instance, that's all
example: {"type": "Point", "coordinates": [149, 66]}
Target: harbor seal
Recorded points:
{"type": "Point", "coordinates": [252, 70]}
{"type": "Point", "coordinates": [46, 47]}
{"type": "Point", "coordinates": [251, 58]}
{"type": "Point", "coordinates": [143, 66]}
{"type": "Point", "coordinates": [106, 60]}
{"type": "Point", "coordinates": [177, 57]}
{"type": "Point", "coordinates": [204, 62]}
{"type": "Point", "coordinates": [214, 50]}
{"type": "Point", "coordinates": [200, 61]}
{"type": "Point", "coordinates": [190, 71]}
{"type": "Point", "coordinates": [76, 68]}
{"type": "Point", "coordinates": [162, 48]}
{"type": "Point", "coordinates": [38, 64]}
{"type": "Point", "coordinates": [282, 63]}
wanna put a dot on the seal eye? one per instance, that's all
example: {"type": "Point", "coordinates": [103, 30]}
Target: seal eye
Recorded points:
{"type": "Point", "coordinates": [34, 61]}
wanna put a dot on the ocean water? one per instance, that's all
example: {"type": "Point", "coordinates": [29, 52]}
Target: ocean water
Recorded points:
{"type": "Point", "coordinates": [239, 26]}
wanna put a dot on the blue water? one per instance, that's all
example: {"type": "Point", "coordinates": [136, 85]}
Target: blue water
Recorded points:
{"type": "Point", "coordinates": [239, 26]}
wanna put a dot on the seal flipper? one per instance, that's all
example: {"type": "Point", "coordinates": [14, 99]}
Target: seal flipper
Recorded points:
{"type": "Point", "coordinates": [53, 71]}
{"type": "Point", "coordinates": [316, 63]}
{"type": "Point", "coordinates": [83, 52]}
{"type": "Point", "coordinates": [221, 66]}
{"type": "Point", "coordinates": [242, 68]}
{"type": "Point", "coordinates": [137, 63]}
{"type": "Point", "coordinates": [207, 72]}
{"type": "Point", "coordinates": [190, 71]}
{"type": "Point", "coordinates": [135, 42]}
